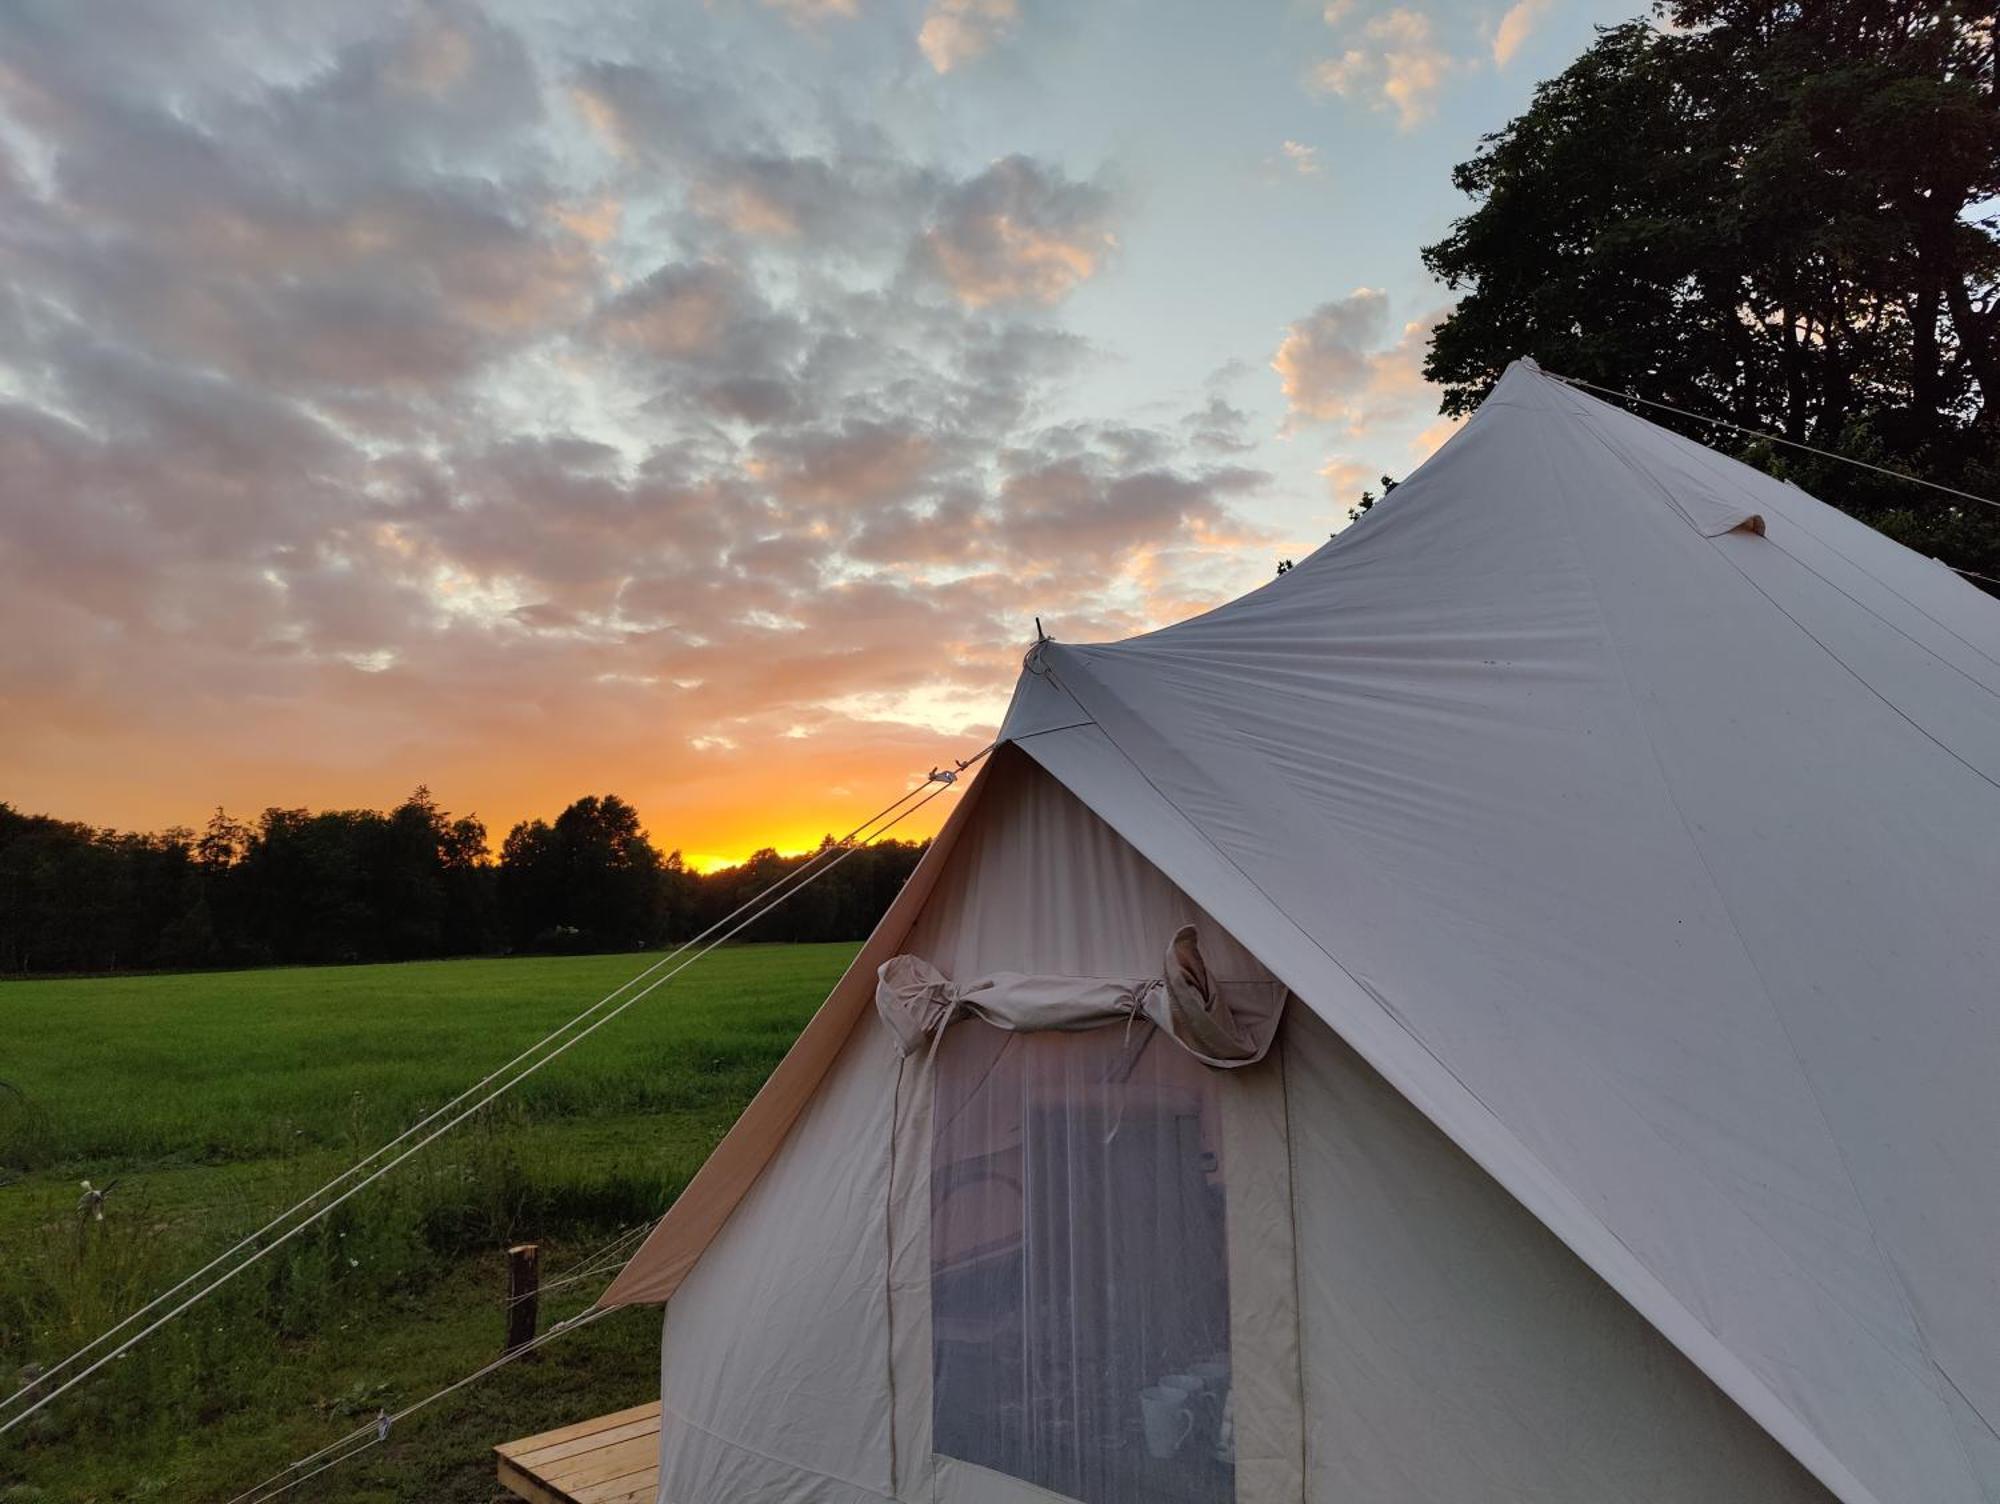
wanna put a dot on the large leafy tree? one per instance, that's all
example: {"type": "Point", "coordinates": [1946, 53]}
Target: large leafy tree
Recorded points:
{"type": "Point", "coordinates": [1778, 214]}
{"type": "Point", "coordinates": [588, 881]}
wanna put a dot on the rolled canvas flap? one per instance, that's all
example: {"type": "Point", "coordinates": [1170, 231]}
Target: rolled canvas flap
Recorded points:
{"type": "Point", "coordinates": [917, 1002]}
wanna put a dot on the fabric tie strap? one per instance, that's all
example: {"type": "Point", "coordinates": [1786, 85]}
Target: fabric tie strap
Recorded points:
{"type": "Point", "coordinates": [918, 1003]}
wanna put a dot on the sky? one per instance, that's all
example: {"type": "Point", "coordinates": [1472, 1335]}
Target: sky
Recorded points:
{"type": "Point", "coordinates": [698, 402]}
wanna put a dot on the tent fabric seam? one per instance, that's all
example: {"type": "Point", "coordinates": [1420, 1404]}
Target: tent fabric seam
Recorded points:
{"type": "Point", "coordinates": [1298, 1293]}
{"type": "Point", "coordinates": [1849, 1487]}
{"type": "Point", "coordinates": [1971, 647]}
{"type": "Point", "coordinates": [1858, 677]}
{"type": "Point", "coordinates": [1778, 606]}
{"type": "Point", "coordinates": [734, 1445]}
{"type": "Point", "coordinates": [1852, 599]}
{"type": "Point", "coordinates": [1666, 785]}
{"type": "Point", "coordinates": [1583, 408]}
{"type": "Point", "coordinates": [889, 1254]}
{"type": "Point", "coordinates": [1978, 1413]}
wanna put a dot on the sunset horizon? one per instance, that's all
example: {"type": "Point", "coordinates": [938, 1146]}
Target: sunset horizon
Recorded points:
{"type": "Point", "coordinates": [1104, 753]}
{"type": "Point", "coordinates": [532, 402]}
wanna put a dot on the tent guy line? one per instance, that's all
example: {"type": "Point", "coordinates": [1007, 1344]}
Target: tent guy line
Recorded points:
{"type": "Point", "coordinates": [794, 876]}
{"type": "Point", "coordinates": [249, 1239]}
{"type": "Point", "coordinates": [610, 1256]}
{"type": "Point", "coordinates": [1758, 433]}
{"type": "Point", "coordinates": [938, 783]}
{"type": "Point", "coordinates": [377, 1431]}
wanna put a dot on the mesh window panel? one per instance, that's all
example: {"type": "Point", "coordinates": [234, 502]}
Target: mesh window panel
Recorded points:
{"type": "Point", "coordinates": [1079, 1273]}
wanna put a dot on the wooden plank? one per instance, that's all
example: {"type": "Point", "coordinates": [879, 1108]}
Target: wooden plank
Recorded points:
{"type": "Point", "coordinates": [527, 1486]}
{"type": "Point", "coordinates": [621, 1457]}
{"type": "Point", "coordinates": [612, 1459]}
{"type": "Point", "coordinates": [642, 1485]}
{"type": "Point", "coordinates": [541, 1459]}
{"type": "Point", "coordinates": [640, 1488]}
{"type": "Point", "coordinates": [580, 1428]}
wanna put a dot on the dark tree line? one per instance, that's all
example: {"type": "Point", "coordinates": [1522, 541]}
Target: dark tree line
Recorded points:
{"type": "Point", "coordinates": [1776, 212]}
{"type": "Point", "coordinates": [302, 887]}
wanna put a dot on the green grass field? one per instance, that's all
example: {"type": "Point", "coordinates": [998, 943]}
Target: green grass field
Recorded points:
{"type": "Point", "coordinates": [214, 1100]}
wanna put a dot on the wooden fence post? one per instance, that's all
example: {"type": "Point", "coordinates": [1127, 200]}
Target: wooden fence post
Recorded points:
{"type": "Point", "coordinates": [524, 1289]}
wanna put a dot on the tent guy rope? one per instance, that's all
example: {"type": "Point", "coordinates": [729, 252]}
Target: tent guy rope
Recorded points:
{"type": "Point", "coordinates": [937, 783]}
{"type": "Point", "coordinates": [377, 1431]}
{"type": "Point", "coordinates": [43, 1377]}
{"type": "Point", "coordinates": [604, 1258]}
{"type": "Point", "coordinates": [1758, 433]}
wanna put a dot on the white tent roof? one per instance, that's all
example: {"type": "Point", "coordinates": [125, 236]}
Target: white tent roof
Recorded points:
{"type": "Point", "coordinates": [1638, 817]}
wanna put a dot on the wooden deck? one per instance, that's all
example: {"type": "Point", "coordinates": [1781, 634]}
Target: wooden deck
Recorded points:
{"type": "Point", "coordinates": [614, 1459]}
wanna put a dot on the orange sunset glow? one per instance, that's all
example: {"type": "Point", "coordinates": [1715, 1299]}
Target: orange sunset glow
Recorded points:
{"type": "Point", "coordinates": [529, 406]}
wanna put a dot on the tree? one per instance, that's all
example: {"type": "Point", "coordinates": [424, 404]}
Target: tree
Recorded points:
{"type": "Point", "coordinates": [1771, 213]}
{"type": "Point", "coordinates": [303, 886]}
{"type": "Point", "coordinates": [1368, 499]}
{"type": "Point", "coordinates": [589, 881]}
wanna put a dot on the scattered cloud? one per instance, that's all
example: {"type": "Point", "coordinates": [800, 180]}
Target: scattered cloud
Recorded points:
{"type": "Point", "coordinates": [1019, 232]}
{"type": "Point", "coordinates": [1219, 427]}
{"type": "Point", "coordinates": [812, 12]}
{"type": "Point", "coordinates": [387, 395]}
{"type": "Point", "coordinates": [1520, 19]}
{"type": "Point", "coordinates": [1302, 159]}
{"type": "Point", "coordinates": [1431, 438]}
{"type": "Point", "coordinates": [1346, 478]}
{"type": "Point", "coordinates": [956, 32]}
{"type": "Point", "coordinates": [1323, 357]}
{"type": "Point", "coordinates": [1334, 366]}
{"type": "Point", "coordinates": [1399, 59]}
{"type": "Point", "coordinates": [1395, 61]}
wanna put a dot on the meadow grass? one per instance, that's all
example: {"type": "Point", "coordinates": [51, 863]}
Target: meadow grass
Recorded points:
{"type": "Point", "coordinates": [211, 1101]}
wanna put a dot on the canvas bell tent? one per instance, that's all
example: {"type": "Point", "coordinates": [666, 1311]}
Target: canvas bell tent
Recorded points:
{"type": "Point", "coordinates": [1506, 1011]}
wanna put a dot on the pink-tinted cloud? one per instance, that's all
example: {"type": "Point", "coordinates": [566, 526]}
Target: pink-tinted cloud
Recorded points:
{"type": "Point", "coordinates": [955, 32]}
{"type": "Point", "coordinates": [1335, 368]}
{"type": "Point", "coordinates": [1017, 233]}
{"type": "Point", "coordinates": [387, 400]}
{"type": "Point", "coordinates": [1516, 25]}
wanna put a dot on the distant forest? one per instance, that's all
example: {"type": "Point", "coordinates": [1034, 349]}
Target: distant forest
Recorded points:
{"type": "Point", "coordinates": [299, 887]}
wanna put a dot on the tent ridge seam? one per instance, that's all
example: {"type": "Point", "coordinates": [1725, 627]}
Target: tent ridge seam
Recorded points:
{"type": "Point", "coordinates": [1945, 1374]}
{"type": "Point", "coordinates": [1859, 678]}
{"type": "Point", "coordinates": [1863, 569]}
{"type": "Point", "coordinates": [1763, 986]}
{"type": "Point", "coordinates": [1712, 540]}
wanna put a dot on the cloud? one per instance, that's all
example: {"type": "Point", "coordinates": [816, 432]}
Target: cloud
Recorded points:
{"type": "Point", "coordinates": [391, 394]}
{"type": "Point", "coordinates": [955, 32]}
{"type": "Point", "coordinates": [1218, 427]}
{"type": "Point", "coordinates": [1324, 356]}
{"type": "Point", "coordinates": [811, 12]}
{"type": "Point", "coordinates": [1399, 64]}
{"type": "Point", "coordinates": [1019, 232]}
{"type": "Point", "coordinates": [1521, 19]}
{"type": "Point", "coordinates": [1346, 478]}
{"type": "Point", "coordinates": [1334, 368]}
{"type": "Point", "coordinates": [1431, 438]}
{"type": "Point", "coordinates": [1303, 159]}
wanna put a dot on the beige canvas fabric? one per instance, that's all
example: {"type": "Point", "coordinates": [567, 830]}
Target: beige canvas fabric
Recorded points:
{"type": "Point", "coordinates": [796, 1357]}
{"type": "Point", "coordinates": [699, 1212]}
{"type": "Point", "coordinates": [808, 1317]}
{"type": "Point", "coordinates": [1198, 1012]}
{"type": "Point", "coordinates": [1459, 1351]}
{"type": "Point", "coordinates": [775, 1381]}
{"type": "Point", "coordinates": [1635, 819]}
{"type": "Point", "coordinates": [1650, 858]}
